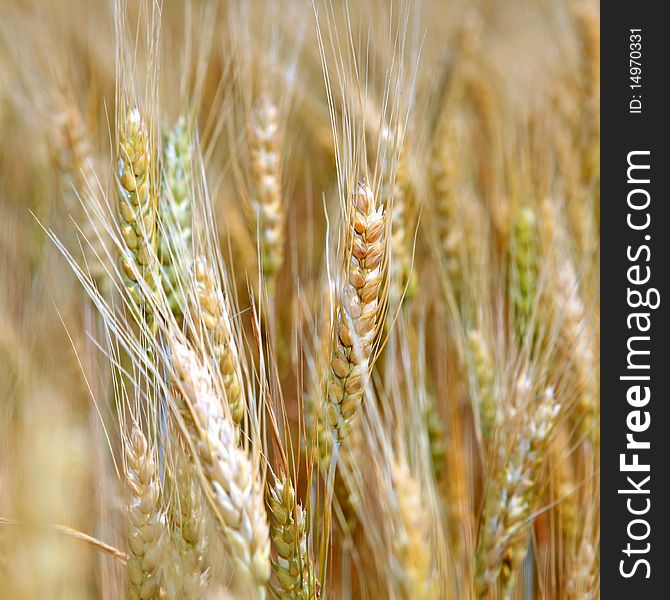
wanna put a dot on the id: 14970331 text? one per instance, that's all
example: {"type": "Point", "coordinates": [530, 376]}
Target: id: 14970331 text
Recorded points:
{"type": "Point", "coordinates": [635, 71]}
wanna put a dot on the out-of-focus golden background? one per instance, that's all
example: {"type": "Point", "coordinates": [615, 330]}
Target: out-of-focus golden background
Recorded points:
{"type": "Point", "coordinates": [482, 116]}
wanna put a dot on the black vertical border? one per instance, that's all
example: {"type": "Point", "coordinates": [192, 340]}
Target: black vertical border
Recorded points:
{"type": "Point", "coordinates": [621, 133]}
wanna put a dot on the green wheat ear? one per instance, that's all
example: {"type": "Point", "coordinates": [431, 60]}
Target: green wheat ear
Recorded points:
{"type": "Point", "coordinates": [525, 252]}
{"type": "Point", "coordinates": [176, 216]}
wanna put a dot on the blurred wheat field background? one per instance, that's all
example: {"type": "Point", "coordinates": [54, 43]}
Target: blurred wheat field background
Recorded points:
{"type": "Point", "coordinates": [299, 299]}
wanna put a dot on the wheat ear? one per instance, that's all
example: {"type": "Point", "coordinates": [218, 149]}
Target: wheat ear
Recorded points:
{"type": "Point", "coordinates": [576, 340]}
{"type": "Point", "coordinates": [445, 173]}
{"type": "Point", "coordinates": [401, 278]}
{"type": "Point", "coordinates": [411, 535]}
{"type": "Point", "coordinates": [215, 317]}
{"type": "Point", "coordinates": [588, 26]}
{"type": "Point", "coordinates": [233, 486]}
{"type": "Point", "coordinates": [267, 202]}
{"type": "Point", "coordinates": [578, 344]}
{"type": "Point", "coordinates": [437, 439]}
{"type": "Point", "coordinates": [176, 214]}
{"type": "Point", "coordinates": [75, 163]}
{"type": "Point", "coordinates": [292, 569]}
{"type": "Point", "coordinates": [137, 208]}
{"type": "Point", "coordinates": [188, 577]}
{"type": "Point", "coordinates": [146, 523]}
{"type": "Point", "coordinates": [510, 501]}
{"type": "Point", "coordinates": [582, 581]}
{"type": "Point", "coordinates": [484, 376]}
{"type": "Point", "coordinates": [525, 254]}
{"type": "Point", "coordinates": [73, 147]}
{"type": "Point", "coordinates": [317, 427]}
{"type": "Point", "coordinates": [358, 312]}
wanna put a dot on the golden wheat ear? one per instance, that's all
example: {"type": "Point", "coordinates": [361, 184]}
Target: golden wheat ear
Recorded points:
{"type": "Point", "coordinates": [211, 308]}
{"type": "Point", "coordinates": [74, 158]}
{"type": "Point", "coordinates": [514, 490]}
{"type": "Point", "coordinates": [147, 531]}
{"type": "Point", "coordinates": [267, 201]}
{"type": "Point", "coordinates": [402, 278]}
{"type": "Point", "coordinates": [137, 210]}
{"type": "Point", "coordinates": [359, 311]}
{"type": "Point", "coordinates": [292, 568]}
{"type": "Point", "coordinates": [187, 575]}
{"type": "Point", "coordinates": [233, 486]}
{"type": "Point", "coordinates": [411, 535]}
{"type": "Point", "coordinates": [484, 375]}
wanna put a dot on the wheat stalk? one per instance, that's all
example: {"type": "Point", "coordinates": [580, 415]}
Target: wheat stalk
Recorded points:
{"type": "Point", "coordinates": [564, 489]}
{"type": "Point", "coordinates": [346, 488]}
{"type": "Point", "coordinates": [458, 493]}
{"type": "Point", "coordinates": [588, 28]}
